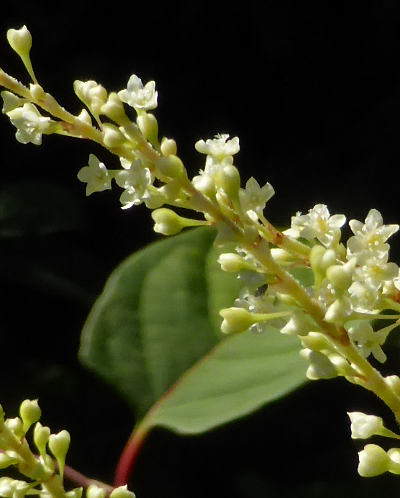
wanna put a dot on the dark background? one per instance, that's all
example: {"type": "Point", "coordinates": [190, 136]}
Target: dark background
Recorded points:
{"type": "Point", "coordinates": [313, 91]}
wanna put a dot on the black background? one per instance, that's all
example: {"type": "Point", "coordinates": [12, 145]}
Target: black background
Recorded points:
{"type": "Point", "coordinates": [313, 91]}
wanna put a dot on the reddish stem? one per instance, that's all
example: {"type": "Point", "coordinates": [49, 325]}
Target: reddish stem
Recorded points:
{"type": "Point", "coordinates": [129, 455]}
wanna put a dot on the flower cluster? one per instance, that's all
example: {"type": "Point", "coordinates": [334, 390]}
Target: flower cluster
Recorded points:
{"type": "Point", "coordinates": [43, 467]}
{"type": "Point", "coordinates": [304, 281]}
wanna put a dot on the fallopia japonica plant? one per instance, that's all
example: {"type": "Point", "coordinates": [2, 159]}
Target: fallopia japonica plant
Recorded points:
{"type": "Point", "coordinates": [335, 313]}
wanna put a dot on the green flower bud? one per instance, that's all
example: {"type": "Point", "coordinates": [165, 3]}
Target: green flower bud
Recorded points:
{"type": "Point", "coordinates": [41, 436]}
{"type": "Point", "coordinates": [20, 40]}
{"type": "Point", "coordinates": [228, 179]}
{"type": "Point", "coordinates": [10, 101]}
{"type": "Point", "coordinates": [168, 147]}
{"type": "Point", "coordinates": [373, 461]}
{"type": "Point", "coordinates": [122, 492]}
{"type": "Point", "coordinates": [171, 166]}
{"type": "Point", "coordinates": [341, 276]}
{"type": "Point", "coordinates": [58, 445]}
{"type": "Point", "coordinates": [74, 493]}
{"type": "Point", "coordinates": [6, 460]}
{"type": "Point", "coordinates": [236, 320]}
{"type": "Point", "coordinates": [168, 222]}
{"type": "Point", "coordinates": [15, 425]}
{"type": "Point", "coordinates": [148, 126]}
{"type": "Point", "coordinates": [316, 341]}
{"type": "Point", "coordinates": [30, 413]}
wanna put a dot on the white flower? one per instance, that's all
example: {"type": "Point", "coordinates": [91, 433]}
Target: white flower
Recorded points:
{"type": "Point", "coordinates": [370, 237]}
{"type": "Point", "coordinates": [138, 96]}
{"type": "Point", "coordinates": [317, 224]}
{"type": "Point", "coordinates": [95, 175]}
{"type": "Point", "coordinates": [253, 197]}
{"type": "Point", "coordinates": [368, 341]}
{"type": "Point", "coordinates": [135, 179]}
{"type": "Point", "coordinates": [377, 270]}
{"type": "Point", "coordinates": [364, 426]}
{"type": "Point", "coordinates": [30, 124]}
{"type": "Point", "coordinates": [219, 146]}
{"type": "Point", "coordinates": [364, 296]}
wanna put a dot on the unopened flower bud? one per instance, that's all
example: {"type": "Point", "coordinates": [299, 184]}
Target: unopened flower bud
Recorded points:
{"type": "Point", "coordinates": [122, 492]}
{"type": "Point", "coordinates": [74, 493]}
{"type": "Point", "coordinates": [94, 491]}
{"type": "Point", "coordinates": [298, 324]}
{"type": "Point", "coordinates": [205, 184]}
{"type": "Point", "coordinates": [37, 91]}
{"type": "Point", "coordinates": [10, 101]}
{"type": "Point", "coordinates": [236, 320]}
{"type": "Point", "coordinates": [30, 413]}
{"type": "Point", "coordinates": [20, 40]}
{"type": "Point", "coordinates": [114, 108]}
{"type": "Point", "coordinates": [337, 312]}
{"type": "Point", "coordinates": [170, 166]}
{"type": "Point", "coordinates": [233, 262]}
{"type": "Point", "coordinates": [112, 136]}
{"type": "Point", "coordinates": [148, 125]}
{"type": "Point", "coordinates": [41, 436]}
{"type": "Point", "coordinates": [341, 276]}
{"type": "Point", "coordinates": [168, 147]}
{"type": "Point", "coordinates": [58, 445]}
{"type": "Point", "coordinates": [168, 222]}
{"type": "Point", "coordinates": [6, 460]}
{"type": "Point", "coordinates": [364, 426]}
{"type": "Point", "coordinates": [320, 366]}
{"type": "Point", "coordinates": [373, 460]}
{"type": "Point", "coordinates": [16, 426]}
{"type": "Point", "coordinates": [228, 179]}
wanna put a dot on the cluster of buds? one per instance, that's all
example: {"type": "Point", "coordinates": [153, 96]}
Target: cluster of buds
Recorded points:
{"type": "Point", "coordinates": [305, 281]}
{"type": "Point", "coordinates": [42, 468]}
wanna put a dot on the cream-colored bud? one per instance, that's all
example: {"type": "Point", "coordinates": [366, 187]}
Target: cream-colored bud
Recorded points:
{"type": "Point", "coordinates": [228, 179]}
{"type": "Point", "coordinates": [30, 413]}
{"type": "Point", "coordinates": [20, 40]}
{"type": "Point", "coordinates": [236, 320]}
{"type": "Point", "coordinates": [15, 425]}
{"type": "Point", "coordinates": [298, 324]}
{"type": "Point", "coordinates": [373, 460]}
{"type": "Point", "coordinates": [341, 276]}
{"type": "Point", "coordinates": [112, 137]}
{"type": "Point", "coordinates": [233, 262]}
{"type": "Point", "coordinates": [114, 108]}
{"type": "Point", "coordinates": [320, 366]}
{"type": "Point", "coordinates": [205, 184]}
{"type": "Point", "coordinates": [148, 125]}
{"type": "Point", "coordinates": [122, 492]}
{"type": "Point", "coordinates": [337, 312]}
{"type": "Point", "coordinates": [316, 341]}
{"type": "Point", "coordinates": [168, 147]}
{"type": "Point", "coordinates": [168, 222]}
{"type": "Point", "coordinates": [37, 91]}
{"type": "Point", "coordinates": [94, 491]}
{"type": "Point", "coordinates": [41, 436]}
{"type": "Point", "coordinates": [171, 166]}
{"type": "Point", "coordinates": [58, 445]}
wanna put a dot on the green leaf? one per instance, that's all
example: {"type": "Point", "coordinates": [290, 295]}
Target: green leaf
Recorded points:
{"type": "Point", "coordinates": [154, 334]}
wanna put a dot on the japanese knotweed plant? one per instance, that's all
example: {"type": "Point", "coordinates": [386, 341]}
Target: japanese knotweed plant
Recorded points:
{"type": "Point", "coordinates": [335, 312]}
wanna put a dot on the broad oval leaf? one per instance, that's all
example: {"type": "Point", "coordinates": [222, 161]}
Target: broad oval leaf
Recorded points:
{"type": "Point", "coordinates": [154, 335]}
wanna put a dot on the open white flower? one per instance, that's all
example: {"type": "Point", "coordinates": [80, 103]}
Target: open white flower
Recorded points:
{"type": "Point", "coordinates": [254, 198]}
{"type": "Point", "coordinates": [317, 224]}
{"type": "Point", "coordinates": [135, 179]}
{"type": "Point", "coordinates": [138, 96]}
{"type": "Point", "coordinates": [95, 175]}
{"type": "Point", "coordinates": [30, 124]}
{"type": "Point", "coordinates": [370, 237]}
